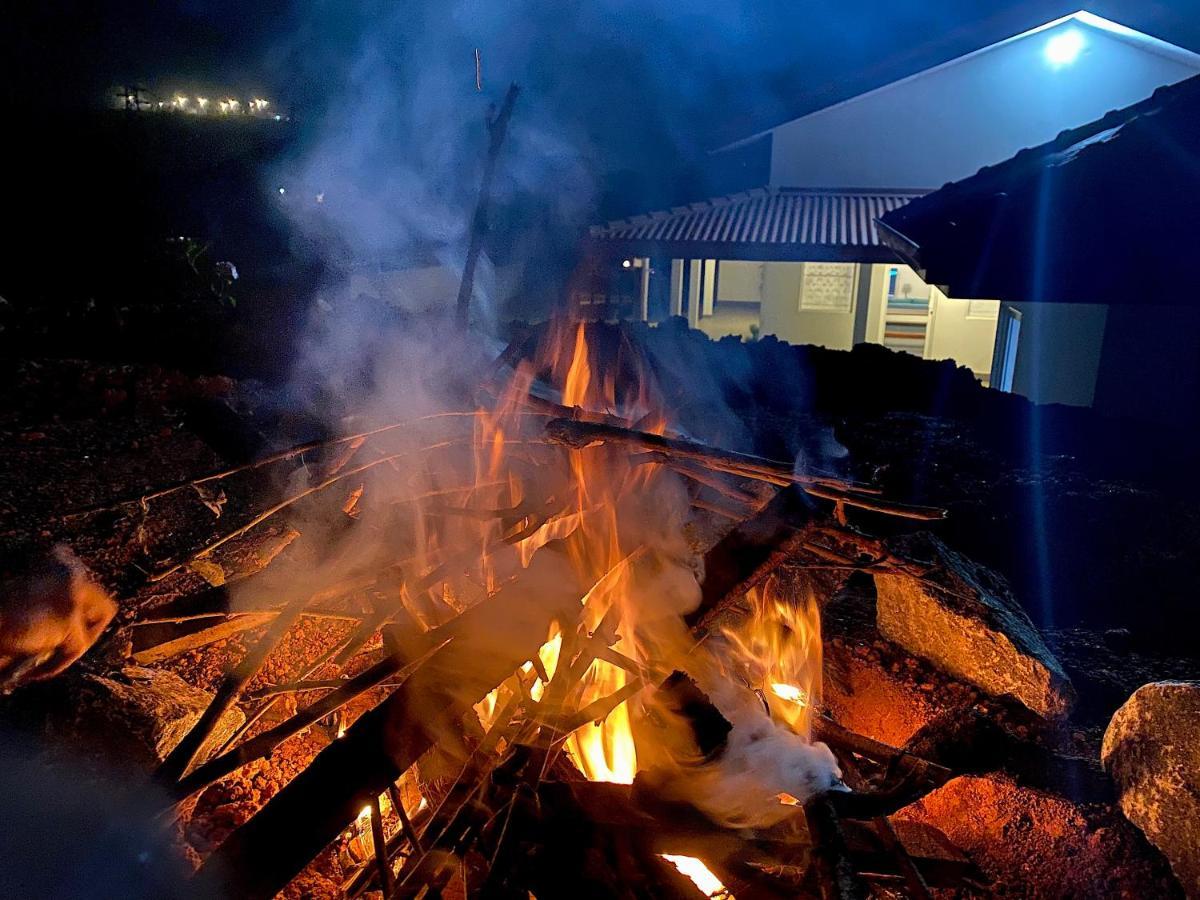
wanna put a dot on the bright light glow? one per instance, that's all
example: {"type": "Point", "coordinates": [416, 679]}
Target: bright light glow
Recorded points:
{"type": "Point", "coordinates": [625, 263]}
{"type": "Point", "coordinates": [700, 874]}
{"type": "Point", "coordinates": [202, 102]}
{"type": "Point", "coordinates": [1065, 47]}
{"type": "Point", "coordinates": [789, 692]}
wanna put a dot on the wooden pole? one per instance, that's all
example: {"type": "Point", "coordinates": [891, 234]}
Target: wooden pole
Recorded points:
{"type": "Point", "coordinates": [497, 128]}
{"type": "Point", "coordinates": [380, 845]}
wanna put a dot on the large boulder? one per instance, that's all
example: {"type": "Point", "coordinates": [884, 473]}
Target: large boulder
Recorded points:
{"type": "Point", "coordinates": [1152, 751]}
{"type": "Point", "coordinates": [962, 617]}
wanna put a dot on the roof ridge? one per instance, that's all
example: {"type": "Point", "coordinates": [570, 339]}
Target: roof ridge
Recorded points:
{"type": "Point", "coordinates": [1080, 16]}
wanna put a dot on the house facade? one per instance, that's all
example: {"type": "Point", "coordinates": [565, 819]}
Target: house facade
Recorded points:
{"type": "Point", "coordinates": [1088, 241]}
{"type": "Point", "coordinates": [802, 258]}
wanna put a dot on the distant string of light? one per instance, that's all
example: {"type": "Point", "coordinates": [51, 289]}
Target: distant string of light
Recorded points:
{"type": "Point", "coordinates": [258, 107]}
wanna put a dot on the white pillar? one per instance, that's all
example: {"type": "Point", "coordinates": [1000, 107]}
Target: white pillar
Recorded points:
{"type": "Point", "coordinates": [710, 285]}
{"type": "Point", "coordinates": [695, 289]}
{"type": "Point", "coordinates": [644, 291]}
{"type": "Point", "coordinates": [676, 305]}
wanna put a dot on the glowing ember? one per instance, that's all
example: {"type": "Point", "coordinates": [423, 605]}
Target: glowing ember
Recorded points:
{"type": "Point", "coordinates": [700, 875]}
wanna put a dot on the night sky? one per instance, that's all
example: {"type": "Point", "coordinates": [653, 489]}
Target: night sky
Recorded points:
{"type": "Point", "coordinates": [622, 99]}
{"type": "Point", "coordinates": [714, 70]}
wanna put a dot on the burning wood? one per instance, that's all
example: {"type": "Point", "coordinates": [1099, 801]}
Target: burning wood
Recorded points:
{"type": "Point", "coordinates": [539, 566]}
{"type": "Point", "coordinates": [584, 434]}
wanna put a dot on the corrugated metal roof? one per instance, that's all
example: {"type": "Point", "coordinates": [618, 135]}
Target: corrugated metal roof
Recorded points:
{"type": "Point", "coordinates": [779, 223]}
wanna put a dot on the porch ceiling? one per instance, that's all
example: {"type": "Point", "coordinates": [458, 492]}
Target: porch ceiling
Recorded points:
{"type": "Point", "coordinates": [795, 224]}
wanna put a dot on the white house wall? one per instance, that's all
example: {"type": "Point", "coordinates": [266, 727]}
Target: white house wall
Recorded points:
{"type": "Point", "coordinates": [781, 314]}
{"type": "Point", "coordinates": [964, 331]}
{"type": "Point", "coordinates": [948, 122]}
{"type": "Point", "coordinates": [1059, 351]}
{"type": "Point", "coordinates": [740, 281]}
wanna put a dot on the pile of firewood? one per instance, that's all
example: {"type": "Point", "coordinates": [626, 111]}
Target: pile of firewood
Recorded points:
{"type": "Point", "coordinates": [509, 812]}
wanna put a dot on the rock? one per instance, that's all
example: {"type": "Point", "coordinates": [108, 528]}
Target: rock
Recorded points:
{"type": "Point", "coordinates": [871, 700]}
{"type": "Point", "coordinates": [1152, 751]}
{"type": "Point", "coordinates": [1036, 844]}
{"type": "Point", "coordinates": [963, 618]}
{"type": "Point", "coordinates": [140, 714]}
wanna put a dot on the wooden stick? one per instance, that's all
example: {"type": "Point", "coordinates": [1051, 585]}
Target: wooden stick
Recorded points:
{"type": "Point", "coordinates": [706, 477]}
{"type": "Point", "coordinates": [450, 826]}
{"type": "Point", "coordinates": [158, 648]}
{"type": "Point", "coordinates": [184, 753]}
{"type": "Point", "coordinates": [918, 889]}
{"type": "Point", "coordinates": [750, 552]}
{"type": "Point", "coordinates": [406, 825]}
{"type": "Point", "coordinates": [309, 491]}
{"type": "Point", "coordinates": [268, 703]}
{"type": "Point", "coordinates": [720, 508]}
{"type": "Point", "coordinates": [836, 877]}
{"type": "Point", "coordinates": [364, 877]}
{"type": "Point", "coordinates": [341, 654]}
{"type": "Point", "coordinates": [380, 846]}
{"type": "Point", "coordinates": [580, 434]}
{"type": "Point", "coordinates": [264, 744]}
{"type": "Point", "coordinates": [491, 640]}
{"type": "Point", "coordinates": [282, 455]}
{"type": "Point", "coordinates": [584, 434]}
{"type": "Point", "coordinates": [839, 738]}
{"type": "Point", "coordinates": [601, 708]}
{"type": "Point", "coordinates": [303, 687]}
{"type": "Point", "coordinates": [183, 618]}
{"type": "Point", "coordinates": [497, 129]}
{"type": "Point", "coordinates": [288, 501]}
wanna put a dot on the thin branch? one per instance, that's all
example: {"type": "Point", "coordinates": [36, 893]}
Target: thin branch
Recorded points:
{"type": "Point", "coordinates": [295, 498]}
{"type": "Point", "coordinates": [281, 456]}
{"type": "Point", "coordinates": [182, 756]}
{"type": "Point", "coordinates": [263, 745]}
{"type": "Point", "coordinates": [406, 825]}
{"type": "Point", "coordinates": [584, 434]}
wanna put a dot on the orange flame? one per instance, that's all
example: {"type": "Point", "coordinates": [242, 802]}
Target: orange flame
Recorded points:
{"type": "Point", "coordinates": [778, 650]}
{"type": "Point", "coordinates": [700, 875]}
